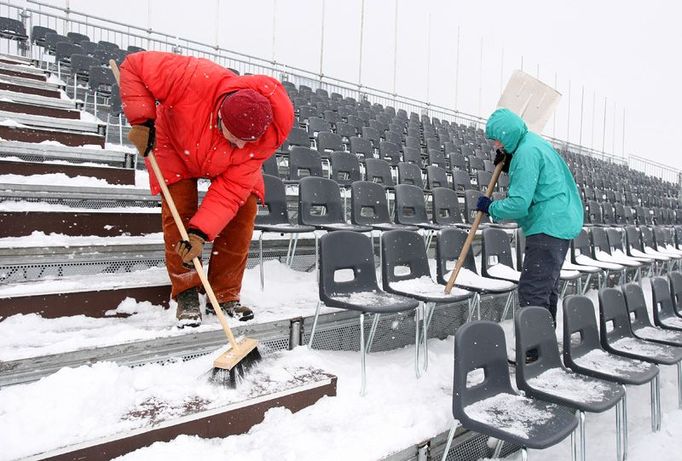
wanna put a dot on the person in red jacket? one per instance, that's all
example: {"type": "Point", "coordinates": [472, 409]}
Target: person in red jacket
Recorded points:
{"type": "Point", "coordinates": [203, 121]}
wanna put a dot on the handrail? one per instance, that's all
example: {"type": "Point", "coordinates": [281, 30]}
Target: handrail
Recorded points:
{"type": "Point", "coordinates": [303, 76]}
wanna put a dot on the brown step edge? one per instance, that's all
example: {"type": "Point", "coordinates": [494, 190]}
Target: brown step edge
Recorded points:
{"type": "Point", "coordinates": [88, 303]}
{"type": "Point", "coordinates": [75, 223]}
{"type": "Point", "coordinates": [30, 90]}
{"type": "Point", "coordinates": [233, 419]}
{"type": "Point", "coordinates": [68, 138]}
{"type": "Point", "coordinates": [119, 176]}
{"type": "Point", "coordinates": [16, 73]}
{"type": "Point", "coordinates": [33, 109]}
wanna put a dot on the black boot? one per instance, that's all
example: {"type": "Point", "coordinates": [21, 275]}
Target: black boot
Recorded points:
{"type": "Point", "coordinates": [233, 309]}
{"type": "Point", "coordinates": [188, 312]}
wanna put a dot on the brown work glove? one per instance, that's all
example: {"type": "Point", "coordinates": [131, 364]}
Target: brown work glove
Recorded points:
{"type": "Point", "coordinates": [143, 137]}
{"type": "Point", "coordinates": [192, 248]}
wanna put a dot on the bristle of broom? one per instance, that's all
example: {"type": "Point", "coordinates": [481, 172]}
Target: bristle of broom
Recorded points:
{"type": "Point", "coordinates": [231, 378]}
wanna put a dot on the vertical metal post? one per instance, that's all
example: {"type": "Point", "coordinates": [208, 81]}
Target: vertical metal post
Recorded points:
{"type": "Point", "coordinates": [362, 37]}
{"type": "Point", "coordinates": [149, 24]}
{"type": "Point", "coordinates": [502, 70]}
{"type": "Point", "coordinates": [428, 58]}
{"type": "Point", "coordinates": [395, 47]}
{"type": "Point", "coordinates": [603, 137]}
{"type": "Point", "coordinates": [217, 24]}
{"type": "Point", "coordinates": [556, 78]}
{"type": "Point", "coordinates": [295, 332]}
{"type": "Point", "coordinates": [274, 30]}
{"type": "Point", "coordinates": [480, 78]}
{"type": "Point", "coordinates": [568, 119]}
{"type": "Point", "coordinates": [582, 100]}
{"type": "Point", "coordinates": [322, 39]}
{"type": "Point", "coordinates": [623, 146]}
{"type": "Point", "coordinates": [594, 105]}
{"type": "Point", "coordinates": [457, 68]}
{"type": "Point", "coordinates": [613, 138]}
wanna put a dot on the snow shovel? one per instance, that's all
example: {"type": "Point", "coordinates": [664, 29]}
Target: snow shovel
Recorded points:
{"type": "Point", "coordinates": [535, 103]}
{"type": "Point", "coordinates": [242, 353]}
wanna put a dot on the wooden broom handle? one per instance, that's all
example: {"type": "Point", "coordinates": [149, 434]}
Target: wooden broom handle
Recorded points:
{"type": "Point", "coordinates": [183, 232]}
{"type": "Point", "coordinates": [472, 231]}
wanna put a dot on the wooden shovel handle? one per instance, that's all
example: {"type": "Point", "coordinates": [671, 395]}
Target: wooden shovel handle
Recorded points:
{"type": "Point", "coordinates": [183, 233]}
{"type": "Point", "coordinates": [472, 231]}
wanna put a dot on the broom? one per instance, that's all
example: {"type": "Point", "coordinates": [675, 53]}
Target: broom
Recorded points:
{"type": "Point", "coordinates": [242, 354]}
{"type": "Point", "coordinates": [472, 232]}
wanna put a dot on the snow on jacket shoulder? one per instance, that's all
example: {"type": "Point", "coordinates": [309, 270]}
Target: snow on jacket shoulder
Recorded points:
{"type": "Point", "coordinates": [182, 95]}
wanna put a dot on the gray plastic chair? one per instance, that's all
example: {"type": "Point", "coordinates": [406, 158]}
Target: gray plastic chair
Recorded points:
{"type": "Point", "coordinates": [276, 219]}
{"type": "Point", "coordinates": [404, 258]}
{"type": "Point", "coordinates": [496, 249]}
{"type": "Point", "coordinates": [582, 353]}
{"type": "Point", "coordinates": [320, 206]}
{"type": "Point", "coordinates": [676, 291]}
{"type": "Point", "coordinates": [379, 171]}
{"type": "Point", "coordinates": [480, 348]}
{"type": "Point", "coordinates": [445, 208]}
{"type": "Point", "coordinates": [665, 315]}
{"type": "Point", "coordinates": [436, 177]}
{"type": "Point", "coordinates": [345, 168]}
{"type": "Point", "coordinates": [303, 162]}
{"type": "Point", "coordinates": [410, 173]}
{"type": "Point", "coordinates": [542, 378]}
{"type": "Point", "coordinates": [639, 315]}
{"type": "Point", "coordinates": [345, 251]}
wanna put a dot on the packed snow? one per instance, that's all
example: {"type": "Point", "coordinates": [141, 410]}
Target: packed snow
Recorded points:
{"type": "Point", "coordinates": [425, 286]}
{"type": "Point", "coordinates": [504, 272]}
{"type": "Point", "coordinates": [511, 413]}
{"type": "Point", "coordinates": [570, 386]}
{"type": "Point", "coordinates": [604, 362]}
{"type": "Point", "coordinates": [468, 278]}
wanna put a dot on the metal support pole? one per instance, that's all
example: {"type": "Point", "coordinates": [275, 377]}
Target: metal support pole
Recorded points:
{"type": "Point", "coordinates": [603, 138]}
{"type": "Point", "coordinates": [395, 48]}
{"type": "Point", "coordinates": [362, 37]}
{"type": "Point", "coordinates": [322, 39]}
{"type": "Point", "coordinates": [457, 72]}
{"type": "Point", "coordinates": [582, 100]}
{"type": "Point", "coordinates": [568, 119]}
{"type": "Point", "coordinates": [295, 333]}
{"type": "Point", "coordinates": [428, 58]}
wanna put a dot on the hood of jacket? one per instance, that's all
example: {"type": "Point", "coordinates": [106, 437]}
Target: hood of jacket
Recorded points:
{"type": "Point", "coordinates": [507, 127]}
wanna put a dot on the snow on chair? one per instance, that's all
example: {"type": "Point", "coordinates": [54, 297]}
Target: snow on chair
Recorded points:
{"type": "Point", "coordinates": [496, 256]}
{"type": "Point", "coordinates": [405, 271]}
{"type": "Point", "coordinates": [581, 253]}
{"type": "Point", "coordinates": [547, 379]}
{"type": "Point", "coordinates": [616, 337]}
{"type": "Point", "coordinates": [583, 354]}
{"type": "Point", "coordinates": [345, 252]}
{"type": "Point", "coordinates": [484, 401]}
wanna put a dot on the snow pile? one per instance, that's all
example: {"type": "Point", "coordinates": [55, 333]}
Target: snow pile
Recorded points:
{"type": "Point", "coordinates": [369, 298]}
{"type": "Point", "coordinates": [510, 413]}
{"type": "Point", "coordinates": [672, 322]}
{"type": "Point", "coordinates": [569, 386]}
{"type": "Point", "coordinates": [470, 278]}
{"type": "Point", "coordinates": [425, 286]}
{"type": "Point", "coordinates": [640, 347]}
{"type": "Point", "coordinates": [611, 364]}
{"type": "Point", "coordinates": [658, 334]}
{"type": "Point", "coordinates": [504, 272]}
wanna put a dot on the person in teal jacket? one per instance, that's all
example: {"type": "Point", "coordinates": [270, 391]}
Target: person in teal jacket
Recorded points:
{"type": "Point", "coordinates": [542, 198]}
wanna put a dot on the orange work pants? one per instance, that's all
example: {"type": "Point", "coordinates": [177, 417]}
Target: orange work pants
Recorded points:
{"type": "Point", "coordinates": [230, 247]}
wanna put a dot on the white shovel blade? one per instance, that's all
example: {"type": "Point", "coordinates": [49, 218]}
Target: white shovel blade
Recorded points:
{"type": "Point", "coordinates": [530, 99]}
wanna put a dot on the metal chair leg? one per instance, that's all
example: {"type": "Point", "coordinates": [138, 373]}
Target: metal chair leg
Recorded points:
{"type": "Point", "coordinates": [312, 330]}
{"type": "Point", "coordinates": [260, 261]}
{"type": "Point", "coordinates": [574, 445]}
{"type": "Point", "coordinates": [498, 449]}
{"type": "Point", "coordinates": [524, 454]}
{"type": "Point", "coordinates": [363, 373]}
{"type": "Point", "coordinates": [619, 430]}
{"type": "Point", "coordinates": [583, 441]}
{"type": "Point", "coordinates": [451, 435]}
{"type": "Point", "coordinates": [625, 423]}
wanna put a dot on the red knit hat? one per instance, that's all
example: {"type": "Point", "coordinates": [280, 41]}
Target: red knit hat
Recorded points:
{"type": "Point", "coordinates": [246, 114]}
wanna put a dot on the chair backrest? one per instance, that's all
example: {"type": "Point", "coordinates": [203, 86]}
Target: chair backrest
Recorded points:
{"type": "Point", "coordinates": [461, 181]}
{"type": "Point", "coordinates": [368, 204]}
{"type": "Point", "coordinates": [78, 38]}
{"type": "Point", "coordinates": [437, 158]}
{"type": "Point", "coordinates": [89, 49]}
{"type": "Point", "coordinates": [350, 252]}
{"type": "Point", "coordinates": [647, 237]}
{"type": "Point", "coordinates": [633, 238]}
{"type": "Point", "coordinates": [346, 130]}
{"type": "Point", "coordinates": [608, 214]}
{"type": "Point", "coordinates": [12, 29]}
{"type": "Point", "coordinates": [660, 237]}
{"type": "Point", "coordinates": [445, 207]}
{"type": "Point", "coordinates": [600, 241]}
{"type": "Point", "coordinates": [470, 203]}
{"type": "Point", "coordinates": [319, 202]}
{"type": "Point", "coordinates": [81, 64]}
{"type": "Point", "coordinates": [390, 152]}
{"type": "Point", "coordinates": [345, 168]}
{"type": "Point", "coordinates": [615, 238]}
{"type": "Point", "coordinates": [580, 333]}
{"type": "Point", "coordinates": [303, 162]}
{"type": "Point", "coordinates": [675, 278]}
{"type": "Point", "coordinates": [636, 304]}
{"type": "Point", "coordinates": [379, 171]}
{"type": "Point", "coordinates": [327, 141]}
{"type": "Point", "coordinates": [436, 177]}
{"type": "Point", "coordinates": [403, 256]}
{"type": "Point", "coordinates": [107, 45]}
{"type": "Point", "coordinates": [614, 321]}
{"type": "Point", "coordinates": [483, 178]}
{"type": "Point", "coordinates": [581, 245]}
{"type": "Point", "coordinates": [448, 247]}
{"type": "Point", "coordinates": [534, 330]}
{"type": "Point", "coordinates": [495, 249]}
{"type": "Point", "coordinates": [361, 147]}
{"type": "Point", "coordinates": [39, 33]}
{"type": "Point", "coordinates": [298, 137]}
{"type": "Point", "coordinates": [410, 207]}
{"type": "Point", "coordinates": [372, 134]}
{"type": "Point", "coordinates": [64, 50]}
{"type": "Point", "coordinates": [479, 345]}
{"type": "Point", "coordinates": [476, 163]}
{"type": "Point", "coordinates": [274, 210]}
{"type": "Point", "coordinates": [135, 49]}
{"type": "Point", "coordinates": [101, 76]}
{"type": "Point", "coordinates": [410, 173]}
{"type": "Point", "coordinates": [115, 105]}
{"type": "Point", "coordinates": [52, 38]}
{"type": "Point", "coordinates": [457, 161]}
{"type": "Point", "coordinates": [269, 166]}
{"type": "Point", "coordinates": [594, 212]}
{"type": "Point", "coordinates": [664, 306]}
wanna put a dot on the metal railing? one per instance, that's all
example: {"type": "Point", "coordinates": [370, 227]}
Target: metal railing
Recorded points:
{"type": "Point", "coordinates": [65, 20]}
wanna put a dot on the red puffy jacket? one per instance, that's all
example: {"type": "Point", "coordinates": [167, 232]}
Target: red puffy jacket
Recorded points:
{"type": "Point", "coordinates": [189, 142]}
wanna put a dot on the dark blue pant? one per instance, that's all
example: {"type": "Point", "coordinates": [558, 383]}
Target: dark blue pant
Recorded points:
{"type": "Point", "coordinates": [539, 283]}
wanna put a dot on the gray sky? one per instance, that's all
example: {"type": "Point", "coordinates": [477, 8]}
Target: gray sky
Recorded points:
{"type": "Point", "coordinates": [626, 52]}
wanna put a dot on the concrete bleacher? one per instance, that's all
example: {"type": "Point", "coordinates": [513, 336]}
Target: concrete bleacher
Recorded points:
{"type": "Point", "coordinates": [44, 110]}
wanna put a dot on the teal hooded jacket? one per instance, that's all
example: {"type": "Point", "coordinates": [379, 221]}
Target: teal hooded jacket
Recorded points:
{"type": "Point", "coordinates": [542, 197]}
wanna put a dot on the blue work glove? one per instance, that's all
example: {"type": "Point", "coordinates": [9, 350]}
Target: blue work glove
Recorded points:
{"type": "Point", "coordinates": [483, 204]}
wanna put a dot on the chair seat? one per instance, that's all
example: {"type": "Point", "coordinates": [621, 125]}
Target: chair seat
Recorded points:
{"type": "Point", "coordinates": [500, 271]}
{"type": "Point", "coordinates": [671, 322]}
{"type": "Point", "coordinates": [426, 290]}
{"type": "Point", "coordinates": [674, 338]}
{"type": "Point", "coordinates": [516, 419]}
{"type": "Point", "coordinates": [472, 281]}
{"type": "Point", "coordinates": [641, 256]}
{"type": "Point", "coordinates": [656, 254]}
{"type": "Point", "coordinates": [573, 390]}
{"type": "Point", "coordinates": [569, 274]}
{"type": "Point", "coordinates": [371, 301]}
{"type": "Point", "coordinates": [623, 261]}
{"type": "Point", "coordinates": [344, 226]}
{"type": "Point", "coordinates": [645, 350]}
{"type": "Point", "coordinates": [620, 254]}
{"type": "Point", "coordinates": [284, 228]}
{"type": "Point", "coordinates": [569, 266]}
{"type": "Point", "coordinates": [392, 226]}
{"type": "Point", "coordinates": [601, 364]}
{"type": "Point", "coordinates": [587, 261]}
